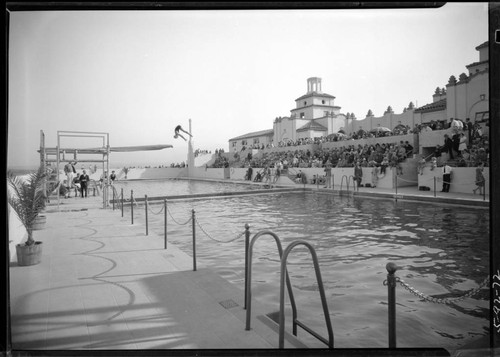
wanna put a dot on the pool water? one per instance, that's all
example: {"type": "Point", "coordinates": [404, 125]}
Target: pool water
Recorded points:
{"type": "Point", "coordinates": [443, 251]}
{"type": "Point", "coordinates": [178, 187]}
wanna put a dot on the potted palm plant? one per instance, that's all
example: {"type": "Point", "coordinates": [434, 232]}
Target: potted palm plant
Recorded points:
{"type": "Point", "coordinates": [27, 198]}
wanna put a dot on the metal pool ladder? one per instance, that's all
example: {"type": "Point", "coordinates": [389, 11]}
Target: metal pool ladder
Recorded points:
{"type": "Point", "coordinates": [284, 275]}
{"type": "Point", "coordinates": [347, 180]}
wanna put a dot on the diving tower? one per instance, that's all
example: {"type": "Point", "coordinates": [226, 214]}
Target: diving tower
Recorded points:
{"type": "Point", "coordinates": [99, 155]}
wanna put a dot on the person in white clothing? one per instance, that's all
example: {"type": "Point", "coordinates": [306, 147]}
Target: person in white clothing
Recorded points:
{"type": "Point", "coordinates": [462, 146]}
{"type": "Point", "coordinates": [446, 177]}
{"type": "Point", "coordinates": [70, 171]}
{"type": "Point", "coordinates": [456, 125]}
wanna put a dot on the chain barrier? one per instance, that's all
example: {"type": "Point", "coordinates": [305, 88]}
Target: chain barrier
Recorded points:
{"type": "Point", "coordinates": [215, 239]}
{"type": "Point", "coordinates": [117, 197]}
{"type": "Point", "coordinates": [439, 179]}
{"type": "Point", "coordinates": [180, 224]}
{"type": "Point", "coordinates": [402, 179]}
{"type": "Point", "coordinates": [189, 220]}
{"type": "Point", "coordinates": [462, 184]}
{"type": "Point", "coordinates": [136, 203]}
{"type": "Point", "coordinates": [127, 200]}
{"type": "Point", "coordinates": [156, 213]}
{"type": "Point", "coordinates": [445, 301]}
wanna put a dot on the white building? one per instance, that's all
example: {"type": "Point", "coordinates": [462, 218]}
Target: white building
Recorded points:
{"type": "Point", "coordinates": [316, 115]}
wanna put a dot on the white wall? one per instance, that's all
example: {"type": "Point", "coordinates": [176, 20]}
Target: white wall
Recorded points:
{"type": "Point", "coordinates": [285, 129]}
{"type": "Point", "coordinates": [434, 116]}
{"type": "Point", "coordinates": [463, 179]}
{"type": "Point", "coordinates": [151, 173]}
{"type": "Point", "coordinates": [17, 233]}
{"type": "Point", "coordinates": [462, 98]}
{"type": "Point", "coordinates": [239, 173]}
{"type": "Point", "coordinates": [340, 175]}
{"type": "Point", "coordinates": [433, 138]}
{"type": "Point", "coordinates": [200, 172]}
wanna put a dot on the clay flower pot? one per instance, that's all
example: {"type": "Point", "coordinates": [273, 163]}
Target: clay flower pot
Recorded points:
{"type": "Point", "coordinates": [29, 254]}
{"type": "Point", "coordinates": [27, 198]}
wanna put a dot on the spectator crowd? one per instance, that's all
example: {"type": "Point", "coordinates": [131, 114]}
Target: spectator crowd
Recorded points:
{"type": "Point", "coordinates": [468, 144]}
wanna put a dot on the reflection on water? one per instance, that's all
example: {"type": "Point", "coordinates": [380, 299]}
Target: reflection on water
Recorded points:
{"type": "Point", "coordinates": [443, 252]}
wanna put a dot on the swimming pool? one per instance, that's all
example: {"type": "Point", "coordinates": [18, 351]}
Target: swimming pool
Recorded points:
{"type": "Point", "coordinates": [443, 249]}
{"type": "Point", "coordinates": [179, 187]}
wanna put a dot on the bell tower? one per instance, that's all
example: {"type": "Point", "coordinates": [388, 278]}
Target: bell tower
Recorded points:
{"type": "Point", "coordinates": [314, 85]}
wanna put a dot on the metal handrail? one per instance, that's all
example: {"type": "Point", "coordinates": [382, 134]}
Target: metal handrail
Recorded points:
{"type": "Point", "coordinates": [347, 180]}
{"type": "Point", "coordinates": [321, 288]}
{"type": "Point", "coordinates": [116, 197]}
{"type": "Point", "coordinates": [248, 281]}
{"type": "Point", "coordinates": [342, 183]}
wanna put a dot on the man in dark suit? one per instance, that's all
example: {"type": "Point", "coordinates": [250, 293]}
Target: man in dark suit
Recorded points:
{"type": "Point", "coordinates": [468, 127]}
{"type": "Point", "coordinates": [448, 146]}
{"type": "Point", "coordinates": [84, 179]}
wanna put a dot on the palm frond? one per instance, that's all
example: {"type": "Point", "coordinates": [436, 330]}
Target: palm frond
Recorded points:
{"type": "Point", "coordinates": [27, 198]}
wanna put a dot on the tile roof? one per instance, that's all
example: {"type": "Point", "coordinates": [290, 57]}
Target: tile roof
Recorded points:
{"type": "Point", "coordinates": [315, 94]}
{"type": "Point", "coordinates": [476, 63]}
{"type": "Point", "coordinates": [484, 44]}
{"type": "Point", "coordinates": [254, 134]}
{"type": "Point", "coordinates": [432, 107]}
{"type": "Point", "coordinates": [312, 125]}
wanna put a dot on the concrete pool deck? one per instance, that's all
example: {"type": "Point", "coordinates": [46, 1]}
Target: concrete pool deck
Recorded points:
{"type": "Point", "coordinates": [104, 285]}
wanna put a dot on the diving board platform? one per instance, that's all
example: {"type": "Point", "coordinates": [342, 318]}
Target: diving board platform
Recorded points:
{"type": "Point", "coordinates": [100, 154]}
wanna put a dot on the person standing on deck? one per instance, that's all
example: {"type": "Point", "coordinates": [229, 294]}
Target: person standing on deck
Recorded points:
{"type": "Point", "coordinates": [446, 177]}
{"type": "Point", "coordinates": [328, 174]}
{"type": "Point", "coordinates": [70, 171]}
{"type": "Point", "coordinates": [375, 171]}
{"type": "Point", "coordinates": [84, 180]}
{"type": "Point", "coordinates": [480, 180]}
{"type": "Point", "coordinates": [358, 173]}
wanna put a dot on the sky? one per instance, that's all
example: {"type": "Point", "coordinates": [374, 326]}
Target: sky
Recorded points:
{"type": "Point", "coordinates": [138, 74]}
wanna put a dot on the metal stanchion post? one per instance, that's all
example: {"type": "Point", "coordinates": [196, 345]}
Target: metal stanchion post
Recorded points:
{"type": "Point", "coordinates": [396, 186]}
{"type": "Point", "coordinates": [247, 243]}
{"type": "Point", "coordinates": [165, 223]}
{"type": "Point", "coordinates": [146, 213]}
{"type": "Point", "coordinates": [114, 198]}
{"type": "Point", "coordinates": [391, 301]}
{"type": "Point", "coordinates": [194, 240]}
{"type": "Point", "coordinates": [132, 205]}
{"type": "Point", "coordinates": [434, 186]}
{"type": "Point", "coordinates": [122, 200]}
